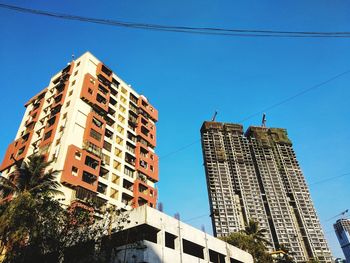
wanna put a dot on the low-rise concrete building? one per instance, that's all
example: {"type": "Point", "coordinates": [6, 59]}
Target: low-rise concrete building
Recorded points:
{"type": "Point", "coordinates": [151, 236]}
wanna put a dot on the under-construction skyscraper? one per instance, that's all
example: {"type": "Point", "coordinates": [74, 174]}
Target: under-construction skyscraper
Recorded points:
{"type": "Point", "coordinates": [255, 175]}
{"type": "Point", "coordinates": [342, 230]}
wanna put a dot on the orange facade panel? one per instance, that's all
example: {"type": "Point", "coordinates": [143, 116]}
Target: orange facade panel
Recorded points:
{"type": "Point", "coordinates": [148, 108]}
{"type": "Point", "coordinates": [95, 129]}
{"type": "Point", "coordinates": [95, 93]}
{"type": "Point", "coordinates": [146, 162]}
{"type": "Point", "coordinates": [104, 72]}
{"type": "Point", "coordinates": [146, 130]}
{"type": "Point", "coordinates": [144, 194]}
{"type": "Point", "coordinates": [81, 169]}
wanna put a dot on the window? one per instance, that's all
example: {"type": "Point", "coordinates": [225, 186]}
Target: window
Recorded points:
{"type": "Point", "coordinates": [128, 171]}
{"type": "Point", "coordinates": [73, 83]}
{"type": "Point", "coordinates": [89, 178]}
{"type": "Point", "coordinates": [170, 240]}
{"type": "Point", "coordinates": [77, 155]}
{"type": "Point", "coordinates": [67, 104]}
{"type": "Point", "coordinates": [76, 73]}
{"type": "Point", "coordinates": [97, 122]}
{"type": "Point", "coordinates": [96, 135]}
{"type": "Point", "coordinates": [90, 91]}
{"type": "Point", "coordinates": [91, 162]}
{"type": "Point", "coordinates": [20, 151]}
{"type": "Point", "coordinates": [74, 171]}
{"type": "Point", "coordinates": [101, 188]}
{"type": "Point", "coordinates": [70, 93]}
{"type": "Point", "coordinates": [78, 64]}
{"type": "Point", "coordinates": [47, 135]}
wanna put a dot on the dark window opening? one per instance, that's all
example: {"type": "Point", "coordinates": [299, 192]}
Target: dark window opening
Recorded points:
{"type": "Point", "coordinates": [141, 201]}
{"type": "Point", "coordinates": [144, 104]}
{"type": "Point", "coordinates": [192, 249]}
{"type": "Point", "coordinates": [20, 151]}
{"type": "Point", "coordinates": [143, 189]}
{"type": "Point", "coordinates": [97, 122]}
{"type": "Point", "coordinates": [89, 178]}
{"type": "Point", "coordinates": [232, 260]}
{"type": "Point", "coordinates": [111, 111]}
{"type": "Point", "coordinates": [25, 137]}
{"type": "Point", "coordinates": [170, 240]}
{"type": "Point", "coordinates": [91, 162]}
{"type": "Point", "coordinates": [144, 122]}
{"type": "Point", "coordinates": [58, 98]}
{"type": "Point", "coordinates": [133, 98]}
{"type": "Point", "coordinates": [47, 135]}
{"type": "Point", "coordinates": [144, 131]}
{"type": "Point", "coordinates": [108, 134]}
{"type": "Point", "coordinates": [115, 82]}
{"type": "Point", "coordinates": [106, 70]}
{"type": "Point", "coordinates": [51, 121]}
{"type": "Point", "coordinates": [131, 137]}
{"type": "Point", "coordinates": [102, 89]}
{"type": "Point", "coordinates": [130, 159]}
{"type": "Point", "coordinates": [216, 257]}
{"type": "Point", "coordinates": [113, 101]}
{"type": "Point", "coordinates": [103, 173]}
{"type": "Point", "coordinates": [128, 185]}
{"type": "Point", "coordinates": [101, 188]}
{"type": "Point", "coordinates": [107, 146]}
{"type": "Point", "coordinates": [101, 99]}
{"type": "Point", "coordinates": [55, 110]}
{"type": "Point", "coordinates": [96, 135]}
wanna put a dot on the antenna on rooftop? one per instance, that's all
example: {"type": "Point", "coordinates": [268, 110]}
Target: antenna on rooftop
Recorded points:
{"type": "Point", "coordinates": [73, 56]}
{"type": "Point", "coordinates": [263, 121]}
{"type": "Point", "coordinates": [177, 216]}
{"type": "Point", "coordinates": [214, 116]}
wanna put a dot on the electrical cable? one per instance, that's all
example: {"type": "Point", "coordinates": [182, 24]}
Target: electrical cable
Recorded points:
{"type": "Point", "coordinates": [268, 108]}
{"type": "Point", "coordinates": [183, 29]}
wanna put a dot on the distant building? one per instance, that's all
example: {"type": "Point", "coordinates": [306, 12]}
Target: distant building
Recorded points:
{"type": "Point", "coordinates": [255, 175]}
{"type": "Point", "coordinates": [339, 260]}
{"type": "Point", "coordinates": [98, 131]}
{"type": "Point", "coordinates": [342, 230]}
{"type": "Point", "coordinates": [154, 237]}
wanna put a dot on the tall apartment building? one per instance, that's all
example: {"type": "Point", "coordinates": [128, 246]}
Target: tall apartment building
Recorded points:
{"type": "Point", "coordinates": [342, 230]}
{"type": "Point", "coordinates": [255, 175]}
{"type": "Point", "coordinates": [97, 130]}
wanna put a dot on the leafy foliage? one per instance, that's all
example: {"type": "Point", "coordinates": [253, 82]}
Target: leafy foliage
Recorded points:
{"type": "Point", "coordinates": [249, 244]}
{"type": "Point", "coordinates": [34, 227]}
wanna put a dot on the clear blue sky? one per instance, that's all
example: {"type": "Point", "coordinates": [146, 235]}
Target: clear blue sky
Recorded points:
{"type": "Point", "coordinates": [187, 77]}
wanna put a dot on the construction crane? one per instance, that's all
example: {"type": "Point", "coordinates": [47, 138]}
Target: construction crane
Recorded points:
{"type": "Point", "coordinates": [263, 121]}
{"type": "Point", "coordinates": [342, 214]}
{"type": "Point", "coordinates": [214, 117]}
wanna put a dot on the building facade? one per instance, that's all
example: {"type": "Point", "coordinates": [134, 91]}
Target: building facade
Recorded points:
{"type": "Point", "coordinates": [99, 133]}
{"type": "Point", "coordinates": [151, 236]}
{"type": "Point", "coordinates": [342, 230]}
{"type": "Point", "coordinates": [255, 175]}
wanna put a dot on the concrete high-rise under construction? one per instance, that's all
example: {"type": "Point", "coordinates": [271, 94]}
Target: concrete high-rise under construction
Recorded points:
{"type": "Point", "coordinates": [342, 230]}
{"type": "Point", "coordinates": [97, 131]}
{"type": "Point", "coordinates": [255, 175]}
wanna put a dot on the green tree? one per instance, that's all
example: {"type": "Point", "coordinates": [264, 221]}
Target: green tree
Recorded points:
{"type": "Point", "coordinates": [247, 242]}
{"type": "Point", "coordinates": [34, 227]}
{"type": "Point", "coordinates": [253, 230]}
{"type": "Point", "coordinates": [31, 176]}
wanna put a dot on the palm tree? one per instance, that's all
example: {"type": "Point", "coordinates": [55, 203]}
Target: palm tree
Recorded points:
{"type": "Point", "coordinates": [31, 176]}
{"type": "Point", "coordinates": [252, 229]}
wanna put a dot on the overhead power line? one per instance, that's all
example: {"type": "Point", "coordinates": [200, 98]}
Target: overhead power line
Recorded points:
{"type": "Point", "coordinates": [329, 179]}
{"type": "Point", "coordinates": [266, 109]}
{"type": "Point", "coordinates": [184, 29]}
